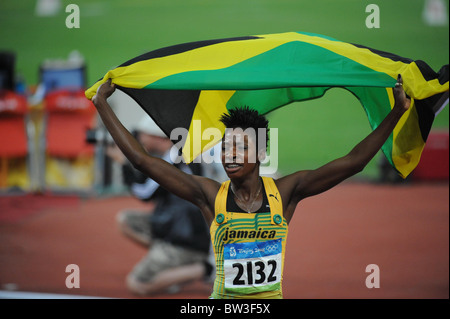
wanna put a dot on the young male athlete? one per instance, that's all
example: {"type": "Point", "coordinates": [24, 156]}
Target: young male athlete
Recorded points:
{"type": "Point", "coordinates": [248, 215]}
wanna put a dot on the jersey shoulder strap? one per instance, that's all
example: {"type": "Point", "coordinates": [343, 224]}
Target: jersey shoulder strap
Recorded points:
{"type": "Point", "coordinates": [220, 205]}
{"type": "Point", "coordinates": [275, 202]}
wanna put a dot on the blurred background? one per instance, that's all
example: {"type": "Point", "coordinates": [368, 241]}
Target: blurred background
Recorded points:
{"type": "Point", "coordinates": [45, 122]}
{"type": "Point", "coordinates": [111, 32]}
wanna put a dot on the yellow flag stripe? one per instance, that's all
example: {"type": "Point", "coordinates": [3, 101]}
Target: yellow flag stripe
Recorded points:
{"type": "Point", "coordinates": [415, 84]}
{"type": "Point", "coordinates": [217, 56]}
{"type": "Point", "coordinates": [210, 106]}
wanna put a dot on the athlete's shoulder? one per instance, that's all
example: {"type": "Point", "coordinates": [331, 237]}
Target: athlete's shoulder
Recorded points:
{"type": "Point", "coordinates": [289, 182]}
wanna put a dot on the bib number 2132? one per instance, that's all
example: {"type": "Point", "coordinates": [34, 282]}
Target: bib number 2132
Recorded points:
{"type": "Point", "coordinates": [257, 272]}
{"type": "Point", "coordinates": [252, 264]}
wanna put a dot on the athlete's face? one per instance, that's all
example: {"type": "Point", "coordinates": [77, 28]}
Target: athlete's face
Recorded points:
{"type": "Point", "coordinates": [239, 153]}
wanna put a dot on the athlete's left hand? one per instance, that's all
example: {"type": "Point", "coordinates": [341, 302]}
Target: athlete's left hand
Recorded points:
{"type": "Point", "coordinates": [401, 101]}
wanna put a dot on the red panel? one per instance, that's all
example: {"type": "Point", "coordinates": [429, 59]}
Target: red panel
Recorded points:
{"type": "Point", "coordinates": [68, 102]}
{"type": "Point", "coordinates": [66, 134]}
{"type": "Point", "coordinates": [12, 103]}
{"type": "Point", "coordinates": [434, 163]}
{"type": "Point", "coordinates": [70, 114]}
{"type": "Point", "coordinates": [13, 138]}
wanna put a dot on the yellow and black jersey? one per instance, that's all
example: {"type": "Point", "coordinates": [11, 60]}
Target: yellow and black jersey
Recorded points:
{"type": "Point", "coordinates": [249, 248]}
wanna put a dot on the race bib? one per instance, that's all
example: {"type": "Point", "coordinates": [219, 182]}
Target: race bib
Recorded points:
{"type": "Point", "coordinates": [253, 267]}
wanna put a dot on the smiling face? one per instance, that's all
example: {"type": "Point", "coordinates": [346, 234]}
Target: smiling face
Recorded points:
{"type": "Point", "coordinates": [239, 153]}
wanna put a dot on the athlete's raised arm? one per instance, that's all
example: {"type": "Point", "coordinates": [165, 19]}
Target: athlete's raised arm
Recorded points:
{"type": "Point", "coordinates": [302, 184]}
{"type": "Point", "coordinates": [199, 190]}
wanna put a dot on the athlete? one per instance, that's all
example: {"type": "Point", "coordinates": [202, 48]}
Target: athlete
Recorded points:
{"type": "Point", "coordinates": [248, 215]}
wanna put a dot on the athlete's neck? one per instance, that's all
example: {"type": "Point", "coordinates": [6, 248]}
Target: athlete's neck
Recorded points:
{"type": "Point", "coordinates": [246, 188]}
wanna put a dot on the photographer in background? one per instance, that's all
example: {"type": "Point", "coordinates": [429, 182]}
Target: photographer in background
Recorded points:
{"type": "Point", "coordinates": [175, 232]}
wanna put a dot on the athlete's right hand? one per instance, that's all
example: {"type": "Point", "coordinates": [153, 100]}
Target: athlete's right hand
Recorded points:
{"type": "Point", "coordinates": [104, 91]}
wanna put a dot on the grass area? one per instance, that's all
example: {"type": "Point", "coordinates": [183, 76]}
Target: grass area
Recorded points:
{"type": "Point", "coordinates": [114, 31]}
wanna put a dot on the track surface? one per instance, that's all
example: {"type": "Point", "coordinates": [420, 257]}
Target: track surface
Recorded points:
{"type": "Point", "coordinates": [332, 238]}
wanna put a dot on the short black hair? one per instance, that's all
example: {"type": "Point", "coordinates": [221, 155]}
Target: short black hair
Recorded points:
{"type": "Point", "coordinates": [244, 118]}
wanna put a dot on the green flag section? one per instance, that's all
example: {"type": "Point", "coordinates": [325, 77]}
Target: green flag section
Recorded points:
{"type": "Point", "coordinates": [196, 82]}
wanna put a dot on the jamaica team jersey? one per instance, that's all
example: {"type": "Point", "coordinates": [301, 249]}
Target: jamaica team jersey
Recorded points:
{"type": "Point", "coordinates": [249, 248]}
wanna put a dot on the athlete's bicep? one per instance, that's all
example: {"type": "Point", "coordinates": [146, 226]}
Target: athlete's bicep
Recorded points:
{"type": "Point", "coordinates": [209, 189]}
{"type": "Point", "coordinates": [287, 186]}
{"type": "Point", "coordinates": [308, 183]}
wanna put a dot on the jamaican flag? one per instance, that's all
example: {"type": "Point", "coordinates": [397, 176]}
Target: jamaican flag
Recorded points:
{"type": "Point", "coordinates": [180, 84]}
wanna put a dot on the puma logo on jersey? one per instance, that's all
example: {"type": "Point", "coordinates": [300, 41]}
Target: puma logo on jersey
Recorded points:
{"type": "Point", "coordinates": [274, 196]}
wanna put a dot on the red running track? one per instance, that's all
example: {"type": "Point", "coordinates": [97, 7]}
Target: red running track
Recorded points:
{"type": "Point", "coordinates": [332, 238]}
